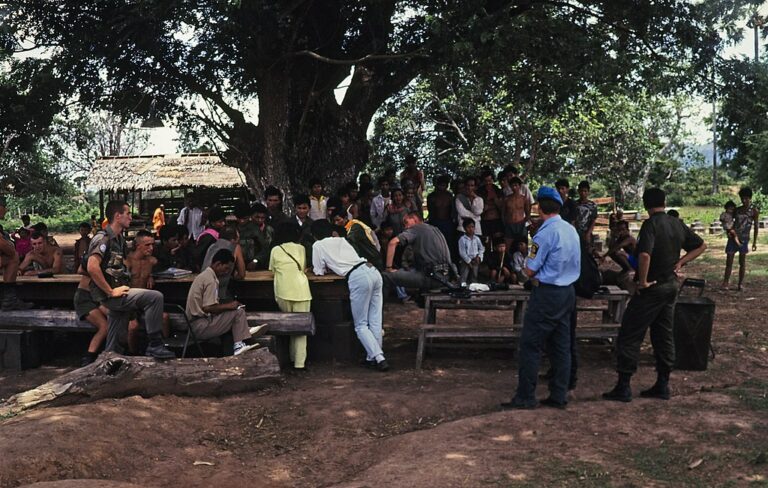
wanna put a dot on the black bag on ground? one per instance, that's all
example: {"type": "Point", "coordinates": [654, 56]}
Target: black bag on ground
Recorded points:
{"type": "Point", "coordinates": [694, 316]}
{"type": "Point", "coordinates": [590, 279]}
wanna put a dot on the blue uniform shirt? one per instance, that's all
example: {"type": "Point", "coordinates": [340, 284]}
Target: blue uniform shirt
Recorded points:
{"type": "Point", "coordinates": [555, 255]}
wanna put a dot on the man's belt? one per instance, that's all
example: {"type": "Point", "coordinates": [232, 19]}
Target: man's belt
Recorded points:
{"type": "Point", "coordinates": [361, 263]}
{"type": "Point", "coordinates": [437, 268]}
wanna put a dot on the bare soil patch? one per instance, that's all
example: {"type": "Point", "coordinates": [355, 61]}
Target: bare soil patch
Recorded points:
{"type": "Point", "coordinates": [344, 426]}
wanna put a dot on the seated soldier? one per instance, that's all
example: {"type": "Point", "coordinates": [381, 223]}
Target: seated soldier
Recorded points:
{"type": "Point", "coordinates": [209, 317]}
{"type": "Point", "coordinates": [9, 262]}
{"type": "Point", "coordinates": [87, 309]}
{"type": "Point", "coordinates": [229, 239]}
{"type": "Point", "coordinates": [44, 258]}
{"type": "Point", "coordinates": [140, 264]}
{"type": "Point", "coordinates": [110, 280]}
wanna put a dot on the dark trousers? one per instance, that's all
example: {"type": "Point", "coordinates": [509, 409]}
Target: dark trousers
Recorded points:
{"type": "Point", "coordinates": [574, 353]}
{"type": "Point", "coordinates": [547, 324]}
{"type": "Point", "coordinates": [653, 307]}
{"type": "Point", "coordinates": [147, 304]}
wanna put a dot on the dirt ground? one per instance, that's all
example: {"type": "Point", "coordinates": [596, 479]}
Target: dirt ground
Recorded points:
{"type": "Point", "coordinates": [340, 425]}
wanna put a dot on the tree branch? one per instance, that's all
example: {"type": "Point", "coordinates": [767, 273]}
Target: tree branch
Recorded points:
{"type": "Point", "coordinates": [365, 59]}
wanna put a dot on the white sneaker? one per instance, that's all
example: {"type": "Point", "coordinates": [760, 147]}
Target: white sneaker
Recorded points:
{"type": "Point", "coordinates": [241, 349]}
{"type": "Point", "coordinates": [259, 330]}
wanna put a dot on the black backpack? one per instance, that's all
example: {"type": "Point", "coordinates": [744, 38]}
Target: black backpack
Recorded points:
{"type": "Point", "coordinates": [590, 278]}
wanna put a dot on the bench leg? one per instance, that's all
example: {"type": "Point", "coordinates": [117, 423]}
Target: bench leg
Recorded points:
{"type": "Point", "coordinates": [420, 349]}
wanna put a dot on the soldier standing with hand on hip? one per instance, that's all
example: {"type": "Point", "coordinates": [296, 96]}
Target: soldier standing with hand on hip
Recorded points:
{"type": "Point", "coordinates": [658, 251]}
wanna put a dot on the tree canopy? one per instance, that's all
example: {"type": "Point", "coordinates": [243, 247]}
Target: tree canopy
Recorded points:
{"type": "Point", "coordinates": [258, 79]}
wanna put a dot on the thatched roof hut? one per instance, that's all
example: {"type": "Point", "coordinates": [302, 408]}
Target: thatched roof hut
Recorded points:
{"type": "Point", "coordinates": [198, 170]}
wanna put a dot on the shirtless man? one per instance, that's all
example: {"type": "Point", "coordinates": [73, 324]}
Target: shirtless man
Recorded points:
{"type": "Point", "coordinates": [492, 201]}
{"type": "Point", "coordinates": [9, 262]}
{"type": "Point", "coordinates": [517, 211]}
{"type": "Point", "coordinates": [140, 263]}
{"type": "Point", "coordinates": [411, 172]}
{"type": "Point", "coordinates": [44, 258]}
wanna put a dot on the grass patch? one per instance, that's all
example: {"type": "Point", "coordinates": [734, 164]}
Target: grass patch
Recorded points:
{"type": "Point", "coordinates": [8, 415]}
{"type": "Point", "coordinates": [661, 463]}
{"type": "Point", "coordinates": [753, 393]}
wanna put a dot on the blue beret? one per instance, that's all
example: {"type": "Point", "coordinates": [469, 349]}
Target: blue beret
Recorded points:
{"type": "Point", "coordinates": [547, 192]}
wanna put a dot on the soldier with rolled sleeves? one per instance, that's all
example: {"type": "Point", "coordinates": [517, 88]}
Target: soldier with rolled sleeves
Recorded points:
{"type": "Point", "coordinates": [109, 285]}
{"type": "Point", "coordinates": [658, 251]}
{"type": "Point", "coordinates": [553, 264]}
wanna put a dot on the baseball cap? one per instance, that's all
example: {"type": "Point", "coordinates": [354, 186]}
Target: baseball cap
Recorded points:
{"type": "Point", "coordinates": [547, 192]}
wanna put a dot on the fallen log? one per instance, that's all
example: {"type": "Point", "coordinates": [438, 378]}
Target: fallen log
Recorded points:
{"type": "Point", "coordinates": [115, 376]}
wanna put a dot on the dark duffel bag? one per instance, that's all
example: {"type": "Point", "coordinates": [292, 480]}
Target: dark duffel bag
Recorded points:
{"type": "Point", "coordinates": [694, 316]}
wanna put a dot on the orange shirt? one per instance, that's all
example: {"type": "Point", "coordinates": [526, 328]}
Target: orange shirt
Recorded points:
{"type": "Point", "coordinates": [158, 219]}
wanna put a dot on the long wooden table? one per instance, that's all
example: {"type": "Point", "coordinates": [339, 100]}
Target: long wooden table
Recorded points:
{"type": "Point", "coordinates": [514, 300]}
{"type": "Point", "coordinates": [334, 339]}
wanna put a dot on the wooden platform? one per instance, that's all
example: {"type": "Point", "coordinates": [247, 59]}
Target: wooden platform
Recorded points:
{"type": "Point", "coordinates": [334, 337]}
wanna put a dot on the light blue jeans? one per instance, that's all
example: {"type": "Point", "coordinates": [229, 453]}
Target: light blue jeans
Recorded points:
{"type": "Point", "coordinates": [367, 298]}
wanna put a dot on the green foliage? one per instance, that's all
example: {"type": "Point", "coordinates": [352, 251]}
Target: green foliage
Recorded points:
{"type": "Point", "coordinates": [62, 213]}
{"type": "Point", "coordinates": [205, 63]}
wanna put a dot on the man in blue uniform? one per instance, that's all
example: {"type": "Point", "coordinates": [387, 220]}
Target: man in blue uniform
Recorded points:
{"type": "Point", "coordinates": [553, 264]}
{"type": "Point", "coordinates": [658, 253]}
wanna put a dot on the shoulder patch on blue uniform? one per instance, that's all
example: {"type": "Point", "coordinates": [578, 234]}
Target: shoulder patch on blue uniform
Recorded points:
{"type": "Point", "coordinates": [103, 248]}
{"type": "Point", "coordinates": [534, 250]}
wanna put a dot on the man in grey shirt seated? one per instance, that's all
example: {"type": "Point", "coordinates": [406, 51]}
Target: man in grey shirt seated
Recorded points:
{"type": "Point", "coordinates": [430, 251]}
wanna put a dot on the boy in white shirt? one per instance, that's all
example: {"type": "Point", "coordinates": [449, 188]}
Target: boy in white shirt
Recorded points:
{"type": "Point", "coordinates": [471, 251]}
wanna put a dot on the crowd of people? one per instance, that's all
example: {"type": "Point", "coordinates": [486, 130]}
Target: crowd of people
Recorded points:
{"type": "Point", "coordinates": [479, 228]}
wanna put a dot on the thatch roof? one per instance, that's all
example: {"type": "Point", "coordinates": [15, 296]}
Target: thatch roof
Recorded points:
{"type": "Point", "coordinates": [163, 172]}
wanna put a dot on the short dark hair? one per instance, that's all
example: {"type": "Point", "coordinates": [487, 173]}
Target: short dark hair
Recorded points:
{"type": "Point", "coordinates": [25, 217]}
{"type": "Point", "coordinates": [442, 180]}
{"type": "Point", "coordinates": [365, 188]}
{"type": "Point", "coordinates": [515, 180]}
{"type": "Point", "coordinates": [181, 231]}
{"type": "Point", "coordinates": [143, 233]}
{"type": "Point", "coordinates": [271, 191]}
{"type": "Point", "coordinates": [40, 227]}
{"type": "Point", "coordinates": [321, 229]}
{"type": "Point", "coordinates": [314, 181]}
{"type": "Point", "coordinates": [343, 191]}
{"type": "Point", "coordinates": [467, 222]}
{"type": "Point", "coordinates": [730, 204]}
{"type": "Point", "coordinates": [654, 198]}
{"type": "Point", "coordinates": [285, 232]}
{"type": "Point", "coordinates": [223, 256]}
{"type": "Point", "coordinates": [410, 159]}
{"type": "Point", "coordinates": [511, 168]}
{"type": "Point", "coordinates": [470, 178]}
{"type": "Point", "coordinates": [382, 179]}
{"type": "Point", "coordinates": [114, 207]}
{"type": "Point", "coordinates": [745, 192]}
{"type": "Point", "coordinates": [486, 172]}
{"type": "Point", "coordinates": [583, 184]}
{"type": "Point", "coordinates": [548, 206]}
{"type": "Point", "coordinates": [36, 235]}
{"type": "Point", "coordinates": [498, 240]}
{"type": "Point", "coordinates": [562, 182]}
{"type": "Point", "coordinates": [333, 202]}
{"type": "Point", "coordinates": [84, 225]}
{"type": "Point", "coordinates": [672, 213]}
{"type": "Point", "coordinates": [258, 207]}
{"type": "Point", "coordinates": [300, 199]}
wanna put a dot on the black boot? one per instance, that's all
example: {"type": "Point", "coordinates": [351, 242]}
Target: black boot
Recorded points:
{"type": "Point", "coordinates": [157, 349]}
{"type": "Point", "coordinates": [622, 391]}
{"type": "Point", "coordinates": [11, 301]}
{"type": "Point", "coordinates": [659, 390]}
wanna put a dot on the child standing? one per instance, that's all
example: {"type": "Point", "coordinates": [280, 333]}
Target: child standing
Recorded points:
{"type": "Point", "coordinates": [287, 261]}
{"type": "Point", "coordinates": [471, 251]}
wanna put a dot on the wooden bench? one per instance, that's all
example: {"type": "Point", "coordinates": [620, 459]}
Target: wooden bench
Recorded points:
{"type": "Point", "coordinates": [279, 323]}
{"type": "Point", "coordinates": [514, 300]}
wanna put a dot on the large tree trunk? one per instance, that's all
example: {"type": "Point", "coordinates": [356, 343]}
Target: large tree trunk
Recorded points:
{"type": "Point", "coordinates": [301, 134]}
{"type": "Point", "coordinates": [116, 376]}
